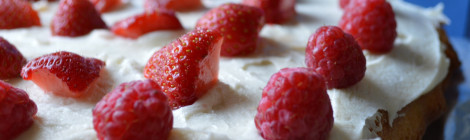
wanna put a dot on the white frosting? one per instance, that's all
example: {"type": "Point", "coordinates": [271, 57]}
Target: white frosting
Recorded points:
{"type": "Point", "coordinates": [415, 66]}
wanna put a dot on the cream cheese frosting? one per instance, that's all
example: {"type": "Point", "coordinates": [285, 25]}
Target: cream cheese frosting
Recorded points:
{"type": "Point", "coordinates": [415, 66]}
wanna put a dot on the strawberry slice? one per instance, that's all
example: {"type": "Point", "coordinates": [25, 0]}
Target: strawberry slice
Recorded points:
{"type": "Point", "coordinates": [239, 24]}
{"type": "Point", "coordinates": [63, 73]}
{"type": "Point", "coordinates": [76, 18]}
{"type": "Point", "coordinates": [11, 60]}
{"type": "Point", "coordinates": [188, 67]}
{"type": "Point", "coordinates": [106, 5]}
{"type": "Point", "coordinates": [17, 14]}
{"type": "Point", "coordinates": [177, 5]}
{"type": "Point", "coordinates": [135, 26]}
{"type": "Point", "coordinates": [277, 11]}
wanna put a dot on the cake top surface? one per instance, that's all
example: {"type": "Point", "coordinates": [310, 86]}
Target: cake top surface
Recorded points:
{"type": "Point", "coordinates": [415, 66]}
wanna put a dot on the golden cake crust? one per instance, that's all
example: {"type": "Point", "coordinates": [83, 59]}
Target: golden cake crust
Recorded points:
{"type": "Point", "coordinates": [424, 110]}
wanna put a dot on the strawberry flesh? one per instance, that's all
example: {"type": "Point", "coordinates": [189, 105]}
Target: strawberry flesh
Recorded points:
{"type": "Point", "coordinates": [138, 25]}
{"type": "Point", "coordinates": [177, 5]}
{"type": "Point", "coordinates": [106, 5]}
{"type": "Point", "coordinates": [76, 18]}
{"type": "Point", "coordinates": [17, 14]}
{"type": "Point", "coordinates": [63, 73]}
{"type": "Point", "coordinates": [239, 24]}
{"type": "Point", "coordinates": [188, 67]}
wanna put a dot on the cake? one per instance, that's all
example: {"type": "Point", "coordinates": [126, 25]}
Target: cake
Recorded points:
{"type": "Point", "coordinates": [401, 93]}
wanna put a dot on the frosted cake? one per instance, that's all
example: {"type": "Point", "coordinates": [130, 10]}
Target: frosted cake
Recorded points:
{"type": "Point", "coordinates": [396, 84]}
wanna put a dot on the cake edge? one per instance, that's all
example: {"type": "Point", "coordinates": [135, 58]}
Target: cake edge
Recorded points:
{"type": "Point", "coordinates": [426, 109]}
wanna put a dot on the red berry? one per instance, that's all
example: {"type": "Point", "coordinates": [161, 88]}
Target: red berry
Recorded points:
{"type": "Point", "coordinates": [177, 5]}
{"type": "Point", "coordinates": [276, 11]}
{"type": "Point", "coordinates": [239, 24]}
{"type": "Point", "coordinates": [76, 18]}
{"type": "Point", "coordinates": [188, 67]}
{"type": "Point", "coordinates": [372, 23]}
{"type": "Point", "coordinates": [344, 3]}
{"type": "Point", "coordinates": [63, 73]}
{"type": "Point", "coordinates": [16, 111]}
{"type": "Point", "coordinates": [295, 105]}
{"type": "Point", "coordinates": [336, 56]}
{"type": "Point", "coordinates": [135, 26]}
{"type": "Point", "coordinates": [106, 5]}
{"type": "Point", "coordinates": [11, 60]}
{"type": "Point", "coordinates": [17, 14]}
{"type": "Point", "coordinates": [136, 110]}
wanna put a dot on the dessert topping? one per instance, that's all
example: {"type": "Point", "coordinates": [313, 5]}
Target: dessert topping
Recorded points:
{"type": "Point", "coordinates": [188, 67]}
{"type": "Point", "coordinates": [136, 110]}
{"type": "Point", "coordinates": [239, 24]}
{"type": "Point", "coordinates": [336, 56]}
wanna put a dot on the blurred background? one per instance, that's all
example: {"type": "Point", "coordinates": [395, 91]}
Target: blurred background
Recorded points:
{"type": "Point", "coordinates": [455, 125]}
{"type": "Point", "coordinates": [457, 11]}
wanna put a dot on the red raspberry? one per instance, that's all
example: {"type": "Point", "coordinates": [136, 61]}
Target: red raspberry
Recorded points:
{"type": "Point", "coordinates": [336, 56]}
{"type": "Point", "coordinates": [276, 11]}
{"type": "Point", "coordinates": [16, 111]}
{"type": "Point", "coordinates": [239, 24]}
{"type": "Point", "coordinates": [372, 23]}
{"type": "Point", "coordinates": [344, 3]}
{"type": "Point", "coordinates": [295, 105]}
{"type": "Point", "coordinates": [136, 110]}
{"type": "Point", "coordinates": [11, 60]}
{"type": "Point", "coordinates": [188, 67]}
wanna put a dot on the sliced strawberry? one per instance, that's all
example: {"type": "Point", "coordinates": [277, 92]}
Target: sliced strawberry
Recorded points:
{"type": "Point", "coordinates": [276, 11]}
{"type": "Point", "coordinates": [135, 26]}
{"type": "Point", "coordinates": [239, 24]}
{"type": "Point", "coordinates": [177, 5]}
{"type": "Point", "coordinates": [11, 60]}
{"type": "Point", "coordinates": [63, 73]}
{"type": "Point", "coordinates": [188, 67]}
{"type": "Point", "coordinates": [17, 14]}
{"type": "Point", "coordinates": [106, 5]}
{"type": "Point", "coordinates": [76, 18]}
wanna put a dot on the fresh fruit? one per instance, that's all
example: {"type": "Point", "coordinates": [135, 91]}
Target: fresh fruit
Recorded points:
{"type": "Point", "coordinates": [276, 11]}
{"type": "Point", "coordinates": [343, 3]}
{"type": "Point", "coordinates": [16, 111]}
{"type": "Point", "coordinates": [63, 73]}
{"type": "Point", "coordinates": [106, 5]}
{"type": "Point", "coordinates": [372, 23]}
{"type": "Point", "coordinates": [76, 18]}
{"type": "Point", "coordinates": [177, 5]}
{"type": "Point", "coordinates": [188, 67]}
{"type": "Point", "coordinates": [336, 56]}
{"type": "Point", "coordinates": [239, 24]}
{"type": "Point", "coordinates": [294, 105]}
{"type": "Point", "coordinates": [17, 14]}
{"type": "Point", "coordinates": [135, 26]}
{"type": "Point", "coordinates": [136, 110]}
{"type": "Point", "coordinates": [11, 60]}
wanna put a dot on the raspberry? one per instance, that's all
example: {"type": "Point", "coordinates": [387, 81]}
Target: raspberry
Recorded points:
{"type": "Point", "coordinates": [16, 111]}
{"type": "Point", "coordinates": [136, 110]}
{"type": "Point", "coordinates": [336, 56]}
{"type": "Point", "coordinates": [294, 105]}
{"type": "Point", "coordinates": [372, 23]}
